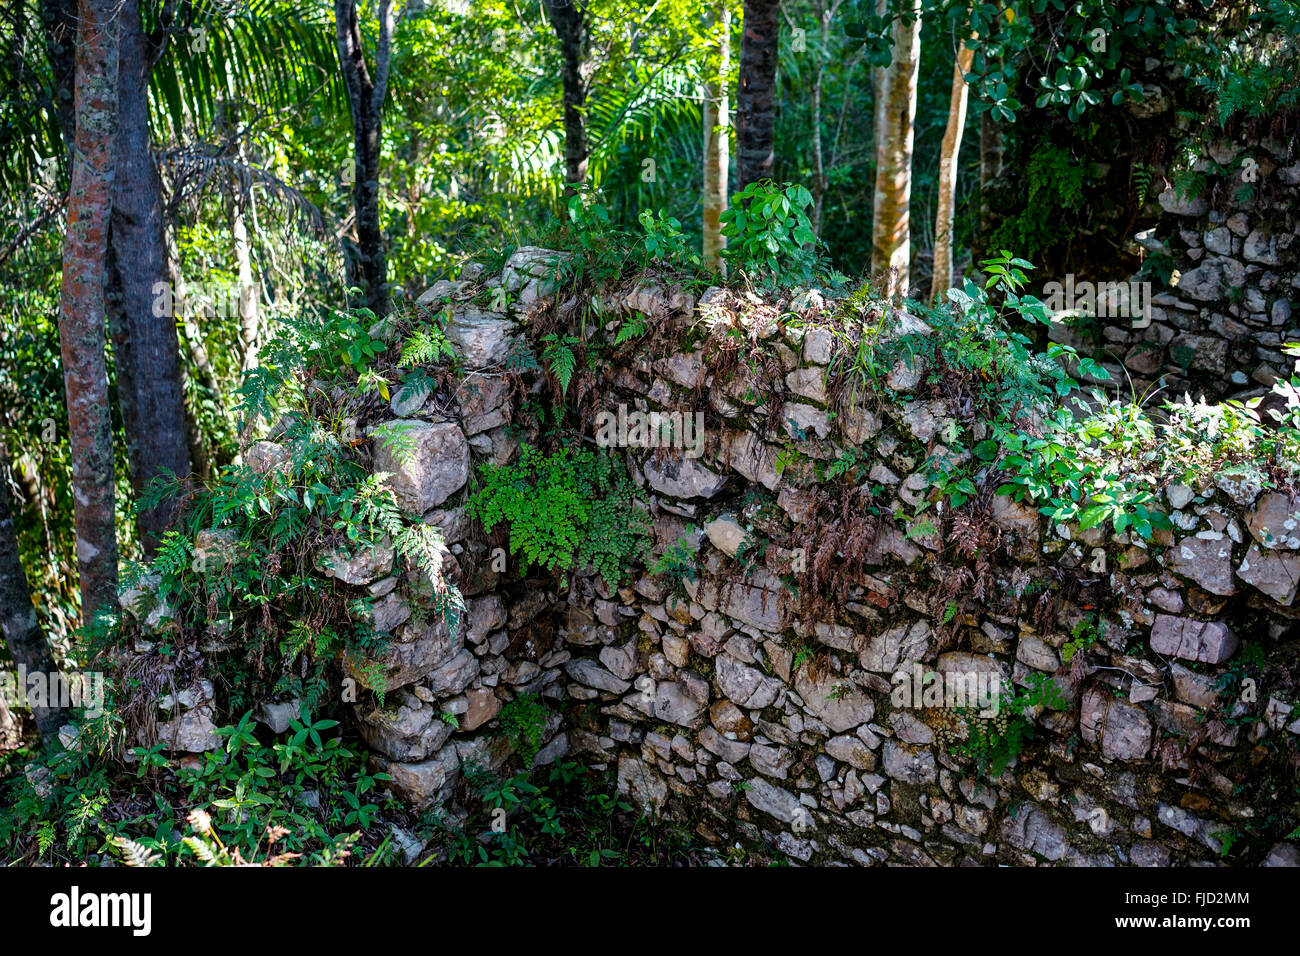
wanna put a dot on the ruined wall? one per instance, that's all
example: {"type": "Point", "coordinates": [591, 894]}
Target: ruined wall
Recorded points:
{"type": "Point", "coordinates": [767, 714]}
{"type": "Point", "coordinates": [1233, 245]}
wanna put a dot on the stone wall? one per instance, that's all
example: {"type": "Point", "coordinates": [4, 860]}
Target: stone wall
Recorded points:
{"type": "Point", "coordinates": [770, 715]}
{"type": "Point", "coordinates": [1234, 248]}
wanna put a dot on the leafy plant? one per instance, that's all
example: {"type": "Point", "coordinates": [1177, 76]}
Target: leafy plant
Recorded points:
{"type": "Point", "coordinates": [523, 721]}
{"type": "Point", "coordinates": [769, 235]}
{"type": "Point", "coordinates": [566, 510]}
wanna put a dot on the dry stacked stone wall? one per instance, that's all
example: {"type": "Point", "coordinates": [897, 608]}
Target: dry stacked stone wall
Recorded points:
{"type": "Point", "coordinates": [760, 712]}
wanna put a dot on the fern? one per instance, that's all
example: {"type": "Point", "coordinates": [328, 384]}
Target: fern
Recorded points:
{"type": "Point", "coordinates": [565, 510]}
{"type": "Point", "coordinates": [632, 328]}
{"type": "Point", "coordinates": [133, 854]}
{"type": "Point", "coordinates": [427, 346]}
{"type": "Point", "coordinates": [559, 357]}
{"type": "Point", "coordinates": [421, 544]}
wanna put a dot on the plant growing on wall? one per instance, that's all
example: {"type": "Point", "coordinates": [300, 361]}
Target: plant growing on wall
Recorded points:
{"type": "Point", "coordinates": [567, 510]}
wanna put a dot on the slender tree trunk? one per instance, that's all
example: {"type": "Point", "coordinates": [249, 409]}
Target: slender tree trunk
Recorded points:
{"type": "Point", "coordinates": [947, 202]}
{"type": "Point", "coordinates": [204, 375]}
{"type": "Point", "coordinates": [756, 100]}
{"type": "Point", "coordinates": [149, 371]}
{"type": "Point", "coordinates": [825, 15]}
{"type": "Point", "coordinates": [891, 246]}
{"type": "Point", "coordinates": [81, 301]}
{"type": "Point", "coordinates": [368, 260]}
{"type": "Point", "coordinates": [990, 167]}
{"type": "Point", "coordinates": [569, 20]}
{"type": "Point", "coordinates": [22, 633]}
{"type": "Point", "coordinates": [717, 115]}
{"type": "Point", "coordinates": [250, 321]}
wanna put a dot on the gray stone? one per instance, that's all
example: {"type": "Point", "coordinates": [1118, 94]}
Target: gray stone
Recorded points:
{"type": "Point", "coordinates": [427, 462]}
{"type": "Point", "coordinates": [774, 801]}
{"type": "Point", "coordinates": [1122, 730]}
{"type": "Point", "coordinates": [483, 615]}
{"type": "Point", "coordinates": [1207, 561]}
{"type": "Point", "coordinates": [1187, 823]}
{"type": "Point", "coordinates": [1284, 854]}
{"type": "Point", "coordinates": [851, 750]}
{"type": "Point", "coordinates": [732, 751]}
{"type": "Point", "coordinates": [424, 782]}
{"type": "Point", "coordinates": [898, 647]}
{"type": "Point", "coordinates": [1275, 573]}
{"type": "Point", "coordinates": [680, 477]}
{"type": "Point", "coordinates": [484, 339]}
{"type": "Point", "coordinates": [1191, 687]}
{"type": "Point", "coordinates": [726, 534]}
{"type": "Point", "coordinates": [657, 301]}
{"type": "Point", "coordinates": [802, 422]}
{"type": "Point", "coordinates": [642, 784]}
{"type": "Point", "coordinates": [1174, 204]}
{"type": "Point", "coordinates": [1210, 642]}
{"type": "Point", "coordinates": [418, 650]}
{"type": "Point", "coordinates": [1275, 522]}
{"type": "Point", "coordinates": [192, 731]}
{"type": "Point", "coordinates": [1036, 653]}
{"type": "Point", "coordinates": [909, 766]}
{"type": "Point", "coordinates": [1032, 830]}
{"type": "Point", "coordinates": [405, 729]}
{"type": "Point", "coordinates": [758, 607]}
{"type": "Point", "coordinates": [362, 566]}
{"type": "Point", "coordinates": [681, 702]}
{"type": "Point", "coordinates": [925, 419]}
{"type": "Point", "coordinates": [836, 702]}
{"type": "Point", "coordinates": [265, 457]}
{"type": "Point", "coordinates": [1261, 247]}
{"type": "Point", "coordinates": [746, 686]}
{"type": "Point", "coordinates": [591, 674]}
{"type": "Point", "coordinates": [454, 676]}
{"type": "Point", "coordinates": [809, 383]}
{"type": "Point", "coordinates": [277, 714]}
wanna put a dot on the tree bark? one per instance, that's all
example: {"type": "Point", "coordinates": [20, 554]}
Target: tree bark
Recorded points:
{"type": "Point", "coordinates": [941, 280]}
{"type": "Point", "coordinates": [826, 14]}
{"type": "Point", "coordinates": [891, 246]}
{"type": "Point", "coordinates": [81, 301]}
{"type": "Point", "coordinates": [756, 99]}
{"type": "Point", "coordinates": [716, 115]}
{"type": "Point", "coordinates": [368, 259]}
{"type": "Point", "coordinates": [250, 323]}
{"type": "Point", "coordinates": [22, 633]}
{"type": "Point", "coordinates": [569, 20]}
{"type": "Point", "coordinates": [158, 445]}
{"type": "Point", "coordinates": [990, 167]}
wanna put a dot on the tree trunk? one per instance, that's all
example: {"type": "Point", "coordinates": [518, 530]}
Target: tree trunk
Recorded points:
{"type": "Point", "coordinates": [22, 634]}
{"type": "Point", "coordinates": [717, 143]}
{"type": "Point", "coordinates": [569, 20]}
{"type": "Point", "coordinates": [891, 246]}
{"type": "Point", "coordinates": [756, 101]}
{"type": "Point", "coordinates": [947, 201]}
{"type": "Point", "coordinates": [149, 371]}
{"type": "Point", "coordinates": [825, 15]}
{"type": "Point", "coordinates": [81, 301]}
{"type": "Point", "coordinates": [990, 167]}
{"type": "Point", "coordinates": [368, 259]}
{"type": "Point", "coordinates": [250, 322]}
